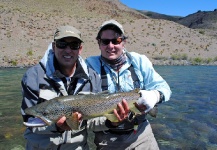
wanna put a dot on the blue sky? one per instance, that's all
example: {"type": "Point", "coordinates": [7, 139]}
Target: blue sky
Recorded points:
{"type": "Point", "coordinates": [172, 7]}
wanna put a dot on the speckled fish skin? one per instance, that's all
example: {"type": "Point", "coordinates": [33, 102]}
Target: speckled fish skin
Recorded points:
{"type": "Point", "coordinates": [90, 106]}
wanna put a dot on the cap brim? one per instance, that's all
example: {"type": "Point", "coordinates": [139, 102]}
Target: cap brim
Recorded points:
{"type": "Point", "coordinates": [67, 35]}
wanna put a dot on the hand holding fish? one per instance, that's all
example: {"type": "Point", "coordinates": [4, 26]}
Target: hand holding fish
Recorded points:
{"type": "Point", "coordinates": [148, 100]}
{"type": "Point", "coordinates": [122, 110]}
{"type": "Point", "coordinates": [62, 124]}
{"type": "Point", "coordinates": [145, 103]}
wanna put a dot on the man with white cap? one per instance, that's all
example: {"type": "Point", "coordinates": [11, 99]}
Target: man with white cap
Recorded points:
{"type": "Point", "coordinates": [60, 72]}
{"type": "Point", "coordinates": [123, 71]}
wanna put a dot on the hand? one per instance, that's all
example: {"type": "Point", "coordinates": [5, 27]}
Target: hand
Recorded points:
{"type": "Point", "coordinates": [148, 100]}
{"type": "Point", "coordinates": [79, 116]}
{"type": "Point", "coordinates": [122, 110]}
{"type": "Point", "coordinates": [62, 125]}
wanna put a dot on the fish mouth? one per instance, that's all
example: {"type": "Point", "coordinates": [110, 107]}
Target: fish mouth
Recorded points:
{"type": "Point", "coordinates": [47, 121]}
{"type": "Point", "coordinates": [37, 122]}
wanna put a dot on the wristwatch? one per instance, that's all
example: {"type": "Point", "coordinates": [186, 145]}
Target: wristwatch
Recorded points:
{"type": "Point", "coordinates": [161, 97]}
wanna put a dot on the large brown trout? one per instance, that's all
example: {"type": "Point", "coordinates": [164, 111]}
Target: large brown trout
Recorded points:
{"type": "Point", "coordinates": [89, 105]}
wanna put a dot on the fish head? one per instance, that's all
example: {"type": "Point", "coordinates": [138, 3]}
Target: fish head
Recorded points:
{"type": "Point", "coordinates": [48, 111]}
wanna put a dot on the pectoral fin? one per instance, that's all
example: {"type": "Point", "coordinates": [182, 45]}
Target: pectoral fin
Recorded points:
{"type": "Point", "coordinates": [73, 122]}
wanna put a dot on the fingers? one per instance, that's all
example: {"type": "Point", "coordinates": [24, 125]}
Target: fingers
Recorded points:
{"type": "Point", "coordinates": [61, 123]}
{"type": "Point", "coordinates": [126, 106]}
{"type": "Point", "coordinates": [116, 114]}
{"type": "Point", "coordinates": [79, 116]}
{"type": "Point", "coordinates": [122, 110]}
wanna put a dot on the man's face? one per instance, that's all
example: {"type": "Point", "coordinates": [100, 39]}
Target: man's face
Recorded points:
{"type": "Point", "coordinates": [111, 50]}
{"type": "Point", "coordinates": [66, 51]}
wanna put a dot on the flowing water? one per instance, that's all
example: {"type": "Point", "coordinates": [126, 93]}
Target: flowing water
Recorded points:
{"type": "Point", "coordinates": [187, 121]}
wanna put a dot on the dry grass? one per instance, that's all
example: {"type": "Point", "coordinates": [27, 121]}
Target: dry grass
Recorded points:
{"type": "Point", "coordinates": [27, 28]}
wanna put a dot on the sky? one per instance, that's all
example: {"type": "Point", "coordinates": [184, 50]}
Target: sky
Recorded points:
{"type": "Point", "coordinates": [172, 7]}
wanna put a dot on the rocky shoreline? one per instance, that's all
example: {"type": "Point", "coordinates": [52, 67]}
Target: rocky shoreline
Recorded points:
{"type": "Point", "coordinates": [181, 63]}
{"type": "Point", "coordinates": [154, 62]}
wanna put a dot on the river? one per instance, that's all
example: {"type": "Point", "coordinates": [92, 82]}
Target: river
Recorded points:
{"type": "Point", "coordinates": [187, 121]}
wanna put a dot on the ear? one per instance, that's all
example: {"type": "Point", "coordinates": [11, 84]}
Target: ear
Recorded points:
{"type": "Point", "coordinates": [124, 41]}
{"type": "Point", "coordinates": [53, 46]}
{"type": "Point", "coordinates": [80, 50]}
{"type": "Point", "coordinates": [98, 41]}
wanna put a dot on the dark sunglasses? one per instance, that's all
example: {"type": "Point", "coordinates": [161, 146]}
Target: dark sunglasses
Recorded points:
{"type": "Point", "coordinates": [114, 41]}
{"type": "Point", "coordinates": [72, 45]}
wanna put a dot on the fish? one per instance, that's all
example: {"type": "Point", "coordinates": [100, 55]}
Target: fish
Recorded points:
{"type": "Point", "coordinates": [89, 105]}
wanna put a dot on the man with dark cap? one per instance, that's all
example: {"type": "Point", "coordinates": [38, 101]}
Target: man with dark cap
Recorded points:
{"type": "Point", "coordinates": [60, 72]}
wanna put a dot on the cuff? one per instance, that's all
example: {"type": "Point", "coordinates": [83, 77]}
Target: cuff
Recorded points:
{"type": "Point", "coordinates": [161, 98]}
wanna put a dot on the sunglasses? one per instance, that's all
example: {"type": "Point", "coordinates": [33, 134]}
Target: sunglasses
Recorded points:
{"type": "Point", "coordinates": [114, 41]}
{"type": "Point", "coordinates": [72, 45]}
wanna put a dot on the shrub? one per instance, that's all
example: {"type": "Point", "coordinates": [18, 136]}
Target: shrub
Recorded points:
{"type": "Point", "coordinates": [208, 60]}
{"type": "Point", "coordinates": [174, 57]}
{"type": "Point", "coordinates": [13, 62]}
{"type": "Point", "coordinates": [202, 32]}
{"type": "Point", "coordinates": [160, 58]}
{"type": "Point", "coordinates": [197, 60]}
{"type": "Point", "coordinates": [29, 53]}
{"type": "Point", "coordinates": [184, 57]}
{"type": "Point", "coordinates": [153, 44]}
{"type": "Point", "coordinates": [179, 57]}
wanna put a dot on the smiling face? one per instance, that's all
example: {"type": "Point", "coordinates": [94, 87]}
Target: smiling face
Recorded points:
{"type": "Point", "coordinates": [110, 51]}
{"type": "Point", "coordinates": [64, 52]}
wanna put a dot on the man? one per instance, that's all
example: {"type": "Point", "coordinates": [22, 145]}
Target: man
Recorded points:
{"type": "Point", "coordinates": [123, 71]}
{"type": "Point", "coordinates": [60, 72]}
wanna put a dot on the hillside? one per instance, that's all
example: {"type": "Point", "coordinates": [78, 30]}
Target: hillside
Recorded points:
{"type": "Point", "coordinates": [206, 21]}
{"type": "Point", "coordinates": [155, 15]}
{"type": "Point", "coordinates": [201, 19]}
{"type": "Point", "coordinates": [27, 27]}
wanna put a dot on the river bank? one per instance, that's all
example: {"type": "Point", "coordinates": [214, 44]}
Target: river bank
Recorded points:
{"type": "Point", "coordinates": [154, 62]}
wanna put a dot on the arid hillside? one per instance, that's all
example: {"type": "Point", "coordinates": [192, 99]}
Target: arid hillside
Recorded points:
{"type": "Point", "coordinates": [206, 21]}
{"type": "Point", "coordinates": [27, 27]}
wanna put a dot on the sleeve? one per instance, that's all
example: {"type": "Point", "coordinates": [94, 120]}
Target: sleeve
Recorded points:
{"type": "Point", "coordinates": [97, 124]}
{"type": "Point", "coordinates": [30, 93]}
{"type": "Point", "coordinates": [151, 79]}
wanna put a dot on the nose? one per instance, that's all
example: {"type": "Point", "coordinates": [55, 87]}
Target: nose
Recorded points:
{"type": "Point", "coordinates": [68, 49]}
{"type": "Point", "coordinates": [110, 44]}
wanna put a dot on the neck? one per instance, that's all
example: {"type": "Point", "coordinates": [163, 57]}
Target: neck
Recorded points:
{"type": "Point", "coordinates": [115, 64]}
{"type": "Point", "coordinates": [68, 71]}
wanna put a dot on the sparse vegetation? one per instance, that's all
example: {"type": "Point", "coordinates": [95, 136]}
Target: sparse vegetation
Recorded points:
{"type": "Point", "coordinates": [28, 25]}
{"type": "Point", "coordinates": [14, 62]}
{"type": "Point", "coordinates": [201, 32]}
{"type": "Point", "coordinates": [29, 53]}
{"type": "Point", "coordinates": [160, 58]}
{"type": "Point", "coordinates": [179, 57]}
